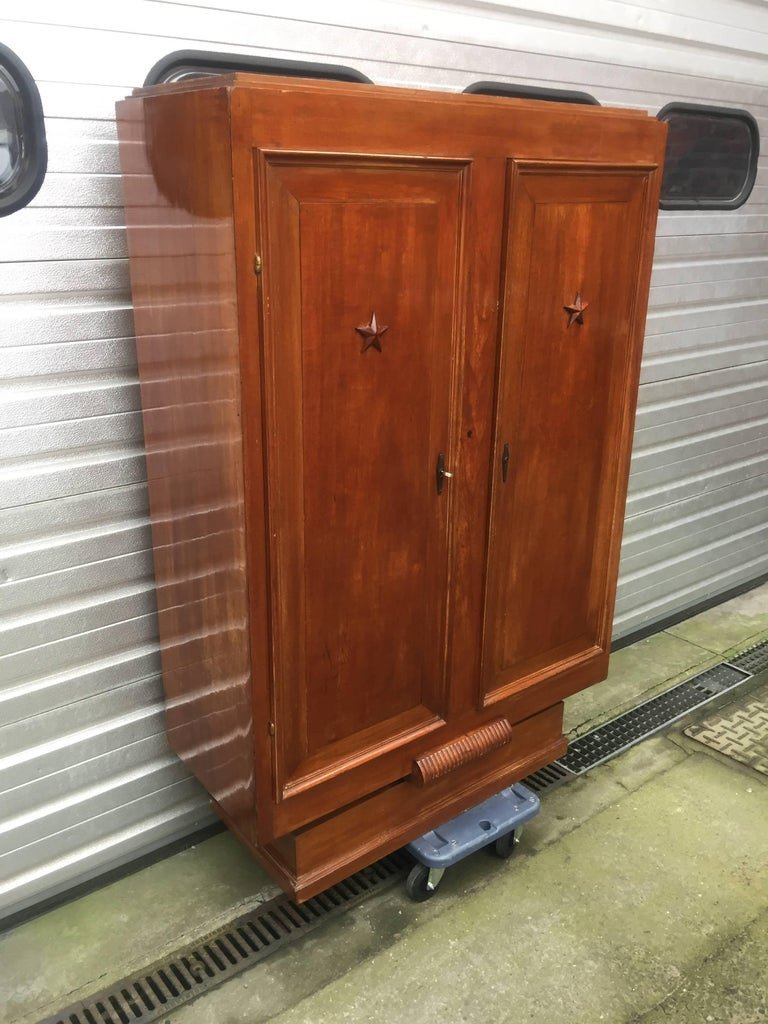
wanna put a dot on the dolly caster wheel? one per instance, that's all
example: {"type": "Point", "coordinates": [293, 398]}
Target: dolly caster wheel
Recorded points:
{"type": "Point", "coordinates": [505, 846]}
{"type": "Point", "coordinates": [422, 882]}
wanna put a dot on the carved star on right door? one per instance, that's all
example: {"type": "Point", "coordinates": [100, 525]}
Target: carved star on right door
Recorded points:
{"type": "Point", "coordinates": [576, 310]}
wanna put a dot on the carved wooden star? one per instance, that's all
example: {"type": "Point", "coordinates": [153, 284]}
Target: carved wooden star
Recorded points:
{"type": "Point", "coordinates": [576, 311]}
{"type": "Point", "coordinates": [371, 334]}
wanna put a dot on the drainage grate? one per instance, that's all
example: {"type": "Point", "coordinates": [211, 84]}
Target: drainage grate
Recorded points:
{"type": "Point", "coordinates": [188, 973]}
{"type": "Point", "coordinates": [547, 778]}
{"type": "Point", "coordinates": [154, 992]}
{"type": "Point", "coordinates": [754, 660]}
{"type": "Point", "coordinates": [655, 714]}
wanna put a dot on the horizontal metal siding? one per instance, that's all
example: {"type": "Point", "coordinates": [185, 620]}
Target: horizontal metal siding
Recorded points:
{"type": "Point", "coordinates": [697, 514]}
{"type": "Point", "coordinates": [86, 778]}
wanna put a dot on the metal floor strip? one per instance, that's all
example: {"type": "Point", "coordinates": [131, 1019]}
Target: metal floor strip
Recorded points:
{"type": "Point", "coordinates": [151, 994]}
{"type": "Point", "coordinates": [547, 778]}
{"type": "Point", "coordinates": [187, 973]}
{"type": "Point", "coordinates": [753, 660]}
{"type": "Point", "coordinates": [618, 735]}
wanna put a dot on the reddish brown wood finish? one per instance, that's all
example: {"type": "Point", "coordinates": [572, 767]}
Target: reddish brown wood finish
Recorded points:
{"type": "Point", "coordinates": [565, 384]}
{"type": "Point", "coordinates": [352, 438]}
{"type": "Point", "coordinates": [446, 759]}
{"type": "Point", "coordinates": [312, 858]}
{"type": "Point", "coordinates": [387, 622]}
{"type": "Point", "coordinates": [181, 246]}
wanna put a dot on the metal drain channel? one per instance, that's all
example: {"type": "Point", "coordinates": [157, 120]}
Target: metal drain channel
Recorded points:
{"type": "Point", "coordinates": [753, 660]}
{"type": "Point", "coordinates": [187, 973]}
{"type": "Point", "coordinates": [616, 736]}
{"type": "Point", "coordinates": [155, 991]}
{"type": "Point", "coordinates": [547, 778]}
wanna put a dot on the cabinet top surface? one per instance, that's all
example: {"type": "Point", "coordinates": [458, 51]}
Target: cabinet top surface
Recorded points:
{"type": "Point", "coordinates": [311, 115]}
{"type": "Point", "coordinates": [283, 84]}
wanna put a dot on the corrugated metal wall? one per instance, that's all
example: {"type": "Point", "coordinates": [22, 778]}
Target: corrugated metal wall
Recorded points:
{"type": "Point", "coordinates": [86, 779]}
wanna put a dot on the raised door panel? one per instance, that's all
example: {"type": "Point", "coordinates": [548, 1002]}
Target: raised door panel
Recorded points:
{"type": "Point", "coordinates": [567, 379]}
{"type": "Point", "coordinates": [361, 348]}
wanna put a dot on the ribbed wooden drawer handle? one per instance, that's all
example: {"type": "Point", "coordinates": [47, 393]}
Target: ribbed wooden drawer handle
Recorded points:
{"type": "Point", "coordinates": [437, 763]}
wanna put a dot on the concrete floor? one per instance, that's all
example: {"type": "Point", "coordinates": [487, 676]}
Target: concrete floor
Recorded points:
{"type": "Point", "coordinates": [640, 894]}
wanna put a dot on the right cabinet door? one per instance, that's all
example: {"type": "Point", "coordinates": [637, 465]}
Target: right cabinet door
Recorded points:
{"type": "Point", "coordinates": [573, 293]}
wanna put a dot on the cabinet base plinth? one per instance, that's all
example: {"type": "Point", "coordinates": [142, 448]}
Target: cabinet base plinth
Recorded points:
{"type": "Point", "coordinates": [323, 853]}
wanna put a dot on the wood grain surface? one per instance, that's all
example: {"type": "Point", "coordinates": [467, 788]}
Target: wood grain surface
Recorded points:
{"type": "Point", "coordinates": [353, 617]}
{"type": "Point", "coordinates": [178, 204]}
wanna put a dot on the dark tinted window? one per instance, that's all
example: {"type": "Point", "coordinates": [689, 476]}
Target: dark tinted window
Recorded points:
{"type": "Point", "coordinates": [531, 92]}
{"type": "Point", "coordinates": [23, 150]}
{"type": "Point", "coordinates": [10, 129]}
{"type": "Point", "coordinates": [184, 64]}
{"type": "Point", "coordinates": [711, 157]}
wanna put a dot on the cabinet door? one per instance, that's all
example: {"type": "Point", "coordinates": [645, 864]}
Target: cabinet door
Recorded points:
{"type": "Point", "coordinates": [573, 294]}
{"type": "Point", "coordinates": [361, 347]}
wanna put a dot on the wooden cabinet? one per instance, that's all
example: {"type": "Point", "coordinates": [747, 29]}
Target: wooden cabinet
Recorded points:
{"type": "Point", "coordinates": [389, 346]}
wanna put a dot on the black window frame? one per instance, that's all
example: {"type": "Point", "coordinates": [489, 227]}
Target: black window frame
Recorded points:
{"type": "Point", "coordinates": [532, 92]}
{"type": "Point", "coordinates": [24, 185]}
{"type": "Point", "coordinates": [209, 62]}
{"type": "Point", "coordinates": [733, 113]}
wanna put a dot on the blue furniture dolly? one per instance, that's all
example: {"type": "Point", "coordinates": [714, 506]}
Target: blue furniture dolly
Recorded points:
{"type": "Point", "coordinates": [495, 822]}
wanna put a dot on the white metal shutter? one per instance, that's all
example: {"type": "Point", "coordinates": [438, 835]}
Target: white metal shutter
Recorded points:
{"type": "Point", "coordinates": [86, 778]}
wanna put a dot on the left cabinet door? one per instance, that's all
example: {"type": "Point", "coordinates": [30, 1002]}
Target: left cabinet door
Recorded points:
{"type": "Point", "coordinates": [361, 340]}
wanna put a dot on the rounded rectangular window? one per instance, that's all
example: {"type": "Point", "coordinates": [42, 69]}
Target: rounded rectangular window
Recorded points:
{"type": "Point", "coordinates": [23, 148]}
{"type": "Point", "coordinates": [183, 64]}
{"type": "Point", "coordinates": [711, 158]}
{"type": "Point", "coordinates": [531, 92]}
{"type": "Point", "coordinates": [10, 130]}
